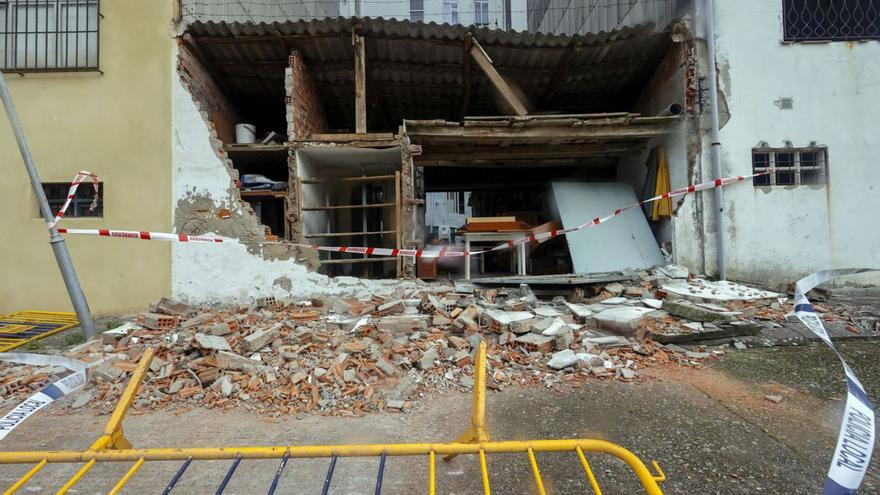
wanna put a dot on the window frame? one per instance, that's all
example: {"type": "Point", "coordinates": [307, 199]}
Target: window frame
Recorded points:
{"type": "Point", "coordinates": [806, 21]}
{"type": "Point", "coordinates": [419, 14]}
{"type": "Point", "coordinates": [64, 46]}
{"type": "Point", "coordinates": [481, 8]}
{"type": "Point", "coordinates": [56, 195]}
{"type": "Point", "coordinates": [794, 169]}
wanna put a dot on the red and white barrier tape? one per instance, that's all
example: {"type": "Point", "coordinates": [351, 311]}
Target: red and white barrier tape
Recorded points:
{"type": "Point", "coordinates": [416, 253]}
{"type": "Point", "coordinates": [81, 177]}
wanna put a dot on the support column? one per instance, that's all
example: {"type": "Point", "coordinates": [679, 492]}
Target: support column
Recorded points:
{"type": "Point", "coordinates": [360, 83]}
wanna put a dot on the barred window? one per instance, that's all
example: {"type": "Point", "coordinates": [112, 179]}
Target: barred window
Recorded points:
{"type": "Point", "coordinates": [831, 20]}
{"type": "Point", "coordinates": [790, 166]}
{"type": "Point", "coordinates": [49, 35]}
{"type": "Point", "coordinates": [56, 193]}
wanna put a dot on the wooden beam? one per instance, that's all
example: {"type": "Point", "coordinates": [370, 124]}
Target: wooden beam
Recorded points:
{"type": "Point", "coordinates": [535, 134]}
{"type": "Point", "coordinates": [466, 75]}
{"type": "Point", "coordinates": [360, 83]}
{"type": "Point", "coordinates": [485, 63]}
{"type": "Point", "coordinates": [528, 152]}
{"type": "Point", "coordinates": [560, 72]}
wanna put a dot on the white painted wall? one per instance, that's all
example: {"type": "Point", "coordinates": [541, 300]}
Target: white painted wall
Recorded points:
{"type": "Point", "coordinates": [780, 234]}
{"type": "Point", "coordinates": [227, 272]}
{"type": "Point", "coordinates": [434, 11]}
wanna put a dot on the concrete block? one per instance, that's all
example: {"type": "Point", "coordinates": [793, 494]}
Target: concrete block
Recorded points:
{"type": "Point", "coordinates": [212, 342]}
{"type": "Point", "coordinates": [688, 310]}
{"type": "Point", "coordinates": [562, 359]}
{"type": "Point", "coordinates": [537, 343]}
{"type": "Point", "coordinates": [426, 361]}
{"type": "Point", "coordinates": [605, 342]}
{"type": "Point", "coordinates": [621, 319]}
{"type": "Point", "coordinates": [260, 338]}
{"type": "Point", "coordinates": [232, 361]}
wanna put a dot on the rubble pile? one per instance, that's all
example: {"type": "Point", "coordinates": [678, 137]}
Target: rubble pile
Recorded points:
{"type": "Point", "coordinates": [350, 356]}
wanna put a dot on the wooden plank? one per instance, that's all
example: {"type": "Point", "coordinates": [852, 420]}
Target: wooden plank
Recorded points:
{"type": "Point", "coordinates": [352, 234]}
{"type": "Point", "coordinates": [476, 220]}
{"type": "Point", "coordinates": [466, 75]}
{"type": "Point", "coordinates": [340, 137]}
{"type": "Point", "coordinates": [357, 260]}
{"type": "Point", "coordinates": [271, 148]}
{"type": "Point", "coordinates": [500, 84]}
{"type": "Point", "coordinates": [360, 84]}
{"type": "Point", "coordinates": [365, 178]}
{"type": "Point", "coordinates": [398, 217]}
{"type": "Point", "coordinates": [263, 194]}
{"type": "Point", "coordinates": [224, 126]}
{"type": "Point", "coordinates": [346, 207]}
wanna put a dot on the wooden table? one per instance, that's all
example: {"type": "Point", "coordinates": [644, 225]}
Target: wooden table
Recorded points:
{"type": "Point", "coordinates": [496, 237]}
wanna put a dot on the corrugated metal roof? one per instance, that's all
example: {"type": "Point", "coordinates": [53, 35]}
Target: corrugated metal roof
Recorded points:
{"type": "Point", "coordinates": [415, 70]}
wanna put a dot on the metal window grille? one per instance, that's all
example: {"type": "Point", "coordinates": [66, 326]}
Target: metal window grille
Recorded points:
{"type": "Point", "coordinates": [56, 193]}
{"type": "Point", "coordinates": [417, 10]}
{"type": "Point", "coordinates": [481, 13]}
{"type": "Point", "coordinates": [790, 166]}
{"type": "Point", "coordinates": [831, 20]}
{"type": "Point", "coordinates": [49, 35]}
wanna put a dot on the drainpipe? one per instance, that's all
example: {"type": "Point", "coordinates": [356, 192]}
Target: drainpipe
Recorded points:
{"type": "Point", "coordinates": [65, 264]}
{"type": "Point", "coordinates": [715, 139]}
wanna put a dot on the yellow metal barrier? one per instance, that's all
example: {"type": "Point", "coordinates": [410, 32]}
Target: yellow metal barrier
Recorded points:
{"type": "Point", "coordinates": [112, 446]}
{"type": "Point", "coordinates": [17, 329]}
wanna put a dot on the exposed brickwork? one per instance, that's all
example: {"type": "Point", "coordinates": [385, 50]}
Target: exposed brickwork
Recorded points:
{"type": "Point", "coordinates": [204, 90]}
{"type": "Point", "coordinates": [304, 113]}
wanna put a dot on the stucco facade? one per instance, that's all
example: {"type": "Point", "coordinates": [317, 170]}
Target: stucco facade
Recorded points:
{"type": "Point", "coordinates": [781, 233]}
{"type": "Point", "coordinates": [116, 124]}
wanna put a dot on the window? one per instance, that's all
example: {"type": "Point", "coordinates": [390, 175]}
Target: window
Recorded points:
{"type": "Point", "coordinates": [417, 10]}
{"type": "Point", "coordinates": [481, 12]}
{"type": "Point", "coordinates": [450, 11]}
{"type": "Point", "coordinates": [831, 20]}
{"type": "Point", "coordinates": [49, 35]}
{"type": "Point", "coordinates": [790, 166]}
{"type": "Point", "coordinates": [455, 203]}
{"type": "Point", "coordinates": [56, 193]}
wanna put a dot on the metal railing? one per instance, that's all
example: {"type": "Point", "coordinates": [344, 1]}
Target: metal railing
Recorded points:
{"type": "Point", "coordinates": [49, 35]}
{"type": "Point", "coordinates": [112, 446]}
{"type": "Point", "coordinates": [831, 20]}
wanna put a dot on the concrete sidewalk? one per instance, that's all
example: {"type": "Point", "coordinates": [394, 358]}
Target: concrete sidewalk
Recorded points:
{"type": "Point", "coordinates": [712, 431]}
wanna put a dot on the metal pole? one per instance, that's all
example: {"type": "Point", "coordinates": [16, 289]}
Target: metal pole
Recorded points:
{"type": "Point", "coordinates": [715, 140]}
{"type": "Point", "coordinates": [65, 264]}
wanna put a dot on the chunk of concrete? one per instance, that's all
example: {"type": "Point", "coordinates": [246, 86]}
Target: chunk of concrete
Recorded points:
{"type": "Point", "coordinates": [690, 311]}
{"type": "Point", "coordinates": [232, 361]}
{"type": "Point", "coordinates": [604, 342]}
{"type": "Point", "coordinates": [260, 338]}
{"type": "Point", "coordinates": [212, 342]}
{"type": "Point", "coordinates": [562, 359]}
{"type": "Point", "coordinates": [621, 319]}
{"type": "Point", "coordinates": [428, 357]}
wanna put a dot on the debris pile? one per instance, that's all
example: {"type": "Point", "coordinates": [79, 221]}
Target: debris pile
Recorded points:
{"type": "Point", "coordinates": [350, 356]}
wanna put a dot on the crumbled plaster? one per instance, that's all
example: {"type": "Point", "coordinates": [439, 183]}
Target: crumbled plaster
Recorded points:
{"type": "Point", "coordinates": [206, 201]}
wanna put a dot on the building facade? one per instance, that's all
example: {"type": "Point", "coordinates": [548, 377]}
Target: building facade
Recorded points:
{"type": "Point", "coordinates": [97, 100]}
{"type": "Point", "coordinates": [148, 102]}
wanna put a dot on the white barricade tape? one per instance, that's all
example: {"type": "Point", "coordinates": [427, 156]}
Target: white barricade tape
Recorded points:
{"type": "Point", "coordinates": [50, 393]}
{"type": "Point", "coordinates": [855, 442]}
{"type": "Point", "coordinates": [81, 177]}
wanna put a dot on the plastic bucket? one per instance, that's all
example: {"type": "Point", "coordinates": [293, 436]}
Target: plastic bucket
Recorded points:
{"type": "Point", "coordinates": [245, 133]}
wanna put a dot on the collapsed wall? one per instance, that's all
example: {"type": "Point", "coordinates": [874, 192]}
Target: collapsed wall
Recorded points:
{"type": "Point", "coordinates": [205, 200]}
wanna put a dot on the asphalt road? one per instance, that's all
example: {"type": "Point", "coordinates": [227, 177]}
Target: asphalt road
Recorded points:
{"type": "Point", "coordinates": [710, 428]}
